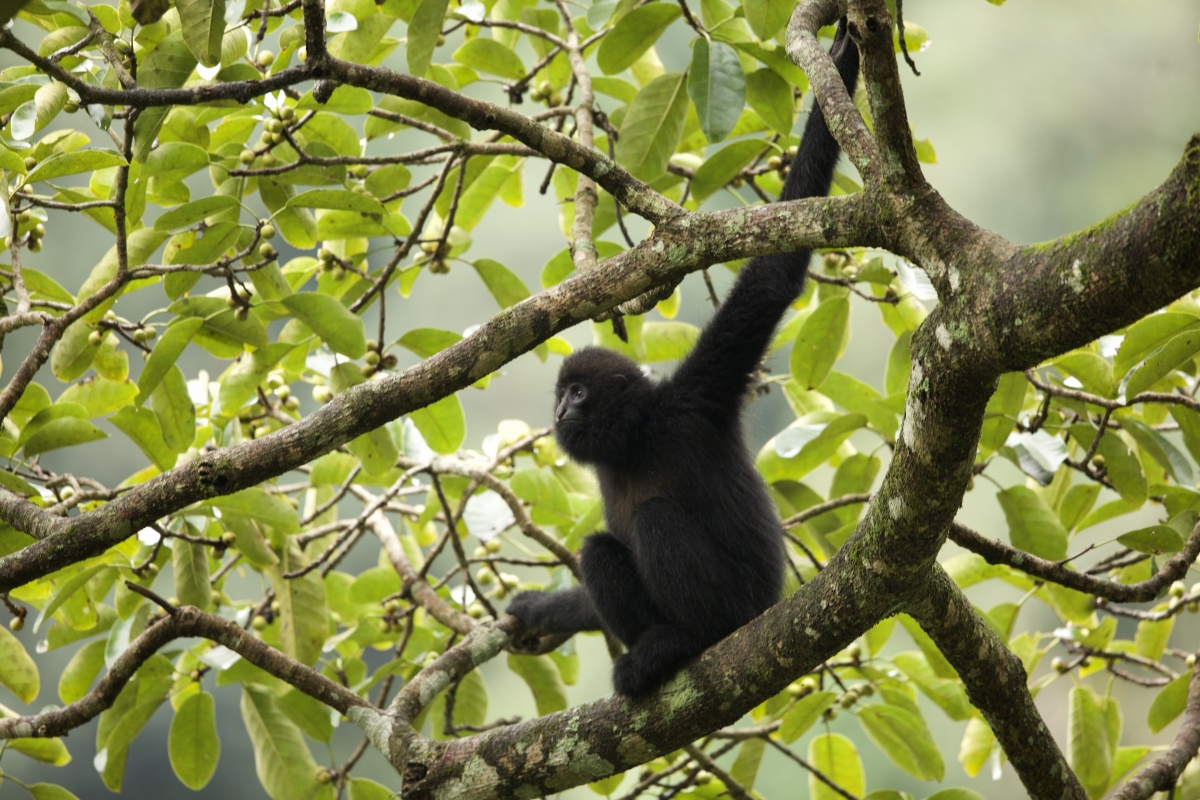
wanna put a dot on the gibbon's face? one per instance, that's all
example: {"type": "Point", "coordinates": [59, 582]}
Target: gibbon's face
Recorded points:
{"type": "Point", "coordinates": [591, 401]}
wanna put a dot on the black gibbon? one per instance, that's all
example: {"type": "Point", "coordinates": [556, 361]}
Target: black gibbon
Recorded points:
{"type": "Point", "coordinates": [694, 547]}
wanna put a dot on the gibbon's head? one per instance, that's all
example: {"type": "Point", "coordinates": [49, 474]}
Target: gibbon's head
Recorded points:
{"type": "Point", "coordinates": [595, 400]}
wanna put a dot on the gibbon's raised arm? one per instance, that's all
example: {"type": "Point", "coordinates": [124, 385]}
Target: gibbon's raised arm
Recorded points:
{"type": "Point", "coordinates": [736, 338]}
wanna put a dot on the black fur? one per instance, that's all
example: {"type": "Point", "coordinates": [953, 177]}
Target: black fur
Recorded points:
{"type": "Point", "coordinates": [693, 549]}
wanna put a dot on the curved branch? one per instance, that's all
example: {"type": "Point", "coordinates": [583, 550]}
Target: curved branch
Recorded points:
{"type": "Point", "coordinates": [885, 94]}
{"type": "Point", "coordinates": [842, 117]}
{"type": "Point", "coordinates": [995, 680]}
{"type": "Point", "coordinates": [416, 586]}
{"type": "Point", "coordinates": [480, 114]}
{"type": "Point", "coordinates": [995, 552]}
{"type": "Point", "coordinates": [1161, 774]}
{"type": "Point", "coordinates": [185, 621]}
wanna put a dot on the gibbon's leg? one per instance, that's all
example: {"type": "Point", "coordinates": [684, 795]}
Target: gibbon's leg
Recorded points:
{"type": "Point", "coordinates": [685, 576]}
{"type": "Point", "coordinates": [655, 659]}
{"type": "Point", "coordinates": [612, 579]}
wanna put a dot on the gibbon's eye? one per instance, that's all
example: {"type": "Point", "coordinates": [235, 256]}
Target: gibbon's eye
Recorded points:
{"type": "Point", "coordinates": [577, 392]}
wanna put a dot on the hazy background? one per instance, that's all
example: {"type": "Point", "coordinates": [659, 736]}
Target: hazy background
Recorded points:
{"type": "Point", "coordinates": [1046, 117]}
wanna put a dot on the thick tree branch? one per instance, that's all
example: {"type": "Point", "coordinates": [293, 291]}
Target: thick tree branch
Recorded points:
{"type": "Point", "coordinates": [882, 79]}
{"type": "Point", "coordinates": [1108, 276]}
{"type": "Point", "coordinates": [995, 552]}
{"type": "Point", "coordinates": [841, 115]}
{"type": "Point", "coordinates": [996, 684]}
{"type": "Point", "coordinates": [589, 742]}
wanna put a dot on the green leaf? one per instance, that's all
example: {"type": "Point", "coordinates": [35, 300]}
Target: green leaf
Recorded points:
{"type": "Point", "coordinates": [48, 791]}
{"type": "Point", "coordinates": [1122, 466]}
{"type": "Point", "coordinates": [60, 164]}
{"type": "Point", "coordinates": [304, 611]}
{"type": "Point", "coordinates": [547, 496]}
{"type": "Point", "coordinates": [1148, 335]}
{"type": "Point", "coordinates": [338, 199]}
{"type": "Point", "coordinates": [242, 379]}
{"type": "Point", "coordinates": [80, 671]}
{"type": "Point", "coordinates": [222, 333]}
{"type": "Point", "coordinates": [668, 341]}
{"type": "Point", "coordinates": [62, 432]}
{"type": "Point", "coordinates": [904, 737]}
{"type": "Point", "coordinates": [1162, 450]}
{"type": "Point", "coordinates": [835, 757]}
{"type": "Point", "coordinates": [284, 765]}
{"type": "Point", "coordinates": [1087, 740]}
{"type": "Point", "coordinates": [203, 24]}
{"type": "Point", "coordinates": [142, 428]}
{"type": "Point", "coordinates": [1179, 350]}
{"type": "Point", "coordinates": [749, 759]}
{"type": "Point", "coordinates": [1126, 759]}
{"type": "Point", "coordinates": [767, 17]}
{"type": "Point", "coordinates": [854, 395]}
{"type": "Point", "coordinates": [174, 161]}
{"type": "Point", "coordinates": [653, 124]}
{"type": "Point", "coordinates": [1000, 416]}
{"type": "Point", "coordinates": [442, 424]}
{"type": "Point", "coordinates": [1152, 636]}
{"type": "Point", "coordinates": [121, 723]}
{"type": "Point", "coordinates": [771, 98]}
{"type": "Point", "coordinates": [800, 449]}
{"type": "Point", "coordinates": [1155, 540]}
{"type": "Point", "coordinates": [34, 115]}
{"type": "Point", "coordinates": [899, 364]}
{"type": "Point", "coordinates": [426, 342]}
{"type": "Point", "coordinates": [816, 347]}
{"type": "Point", "coordinates": [947, 693]}
{"type": "Point", "coordinates": [193, 744]}
{"type": "Point", "coordinates": [190, 563]}
{"type": "Point", "coordinates": [1168, 703]}
{"type": "Point", "coordinates": [717, 87]}
{"type": "Point", "coordinates": [503, 283]}
{"type": "Point", "coordinates": [310, 714]}
{"type": "Point", "coordinates": [423, 33]}
{"type": "Point", "coordinates": [18, 672]}
{"type": "Point", "coordinates": [492, 57]}
{"type": "Point", "coordinates": [636, 32]}
{"type": "Point", "coordinates": [167, 66]}
{"type": "Point", "coordinates": [212, 243]}
{"type": "Point", "coordinates": [1094, 372]}
{"type": "Point", "coordinates": [267, 509]}
{"type": "Point", "coordinates": [479, 194]}
{"type": "Point", "coordinates": [176, 413]}
{"type": "Point", "coordinates": [1077, 503]}
{"type": "Point", "coordinates": [1032, 525]}
{"type": "Point", "coordinates": [978, 743]}
{"type": "Point", "coordinates": [296, 225]}
{"type": "Point", "coordinates": [955, 792]}
{"type": "Point", "coordinates": [100, 396]}
{"type": "Point", "coordinates": [366, 789]}
{"type": "Point", "coordinates": [723, 166]}
{"type": "Point", "coordinates": [803, 713]}
{"type": "Point", "coordinates": [541, 674]}
{"type": "Point", "coordinates": [340, 329]}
